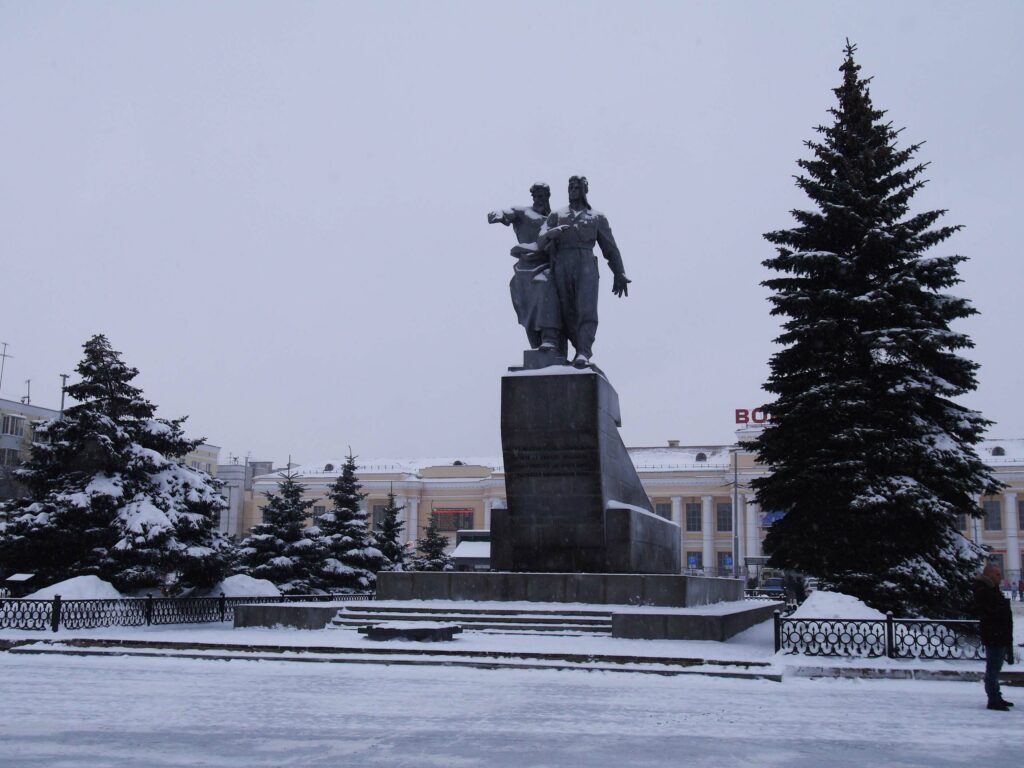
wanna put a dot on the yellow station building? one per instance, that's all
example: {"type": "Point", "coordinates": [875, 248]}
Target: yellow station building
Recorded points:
{"type": "Point", "coordinates": [695, 486]}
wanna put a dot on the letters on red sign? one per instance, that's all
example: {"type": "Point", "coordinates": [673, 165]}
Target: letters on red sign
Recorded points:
{"type": "Point", "coordinates": [756, 415]}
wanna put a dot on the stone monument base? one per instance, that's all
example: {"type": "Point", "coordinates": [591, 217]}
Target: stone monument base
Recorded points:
{"type": "Point", "coordinates": [667, 590]}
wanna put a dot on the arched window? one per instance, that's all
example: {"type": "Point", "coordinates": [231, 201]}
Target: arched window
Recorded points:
{"type": "Point", "coordinates": [328, 467]}
{"type": "Point", "coordinates": [457, 463]}
{"type": "Point", "coordinates": [702, 457]}
{"type": "Point", "coordinates": [999, 451]}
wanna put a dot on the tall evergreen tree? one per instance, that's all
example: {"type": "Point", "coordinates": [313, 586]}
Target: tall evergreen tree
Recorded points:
{"type": "Point", "coordinates": [352, 557]}
{"type": "Point", "coordinates": [108, 494]}
{"type": "Point", "coordinates": [431, 555]}
{"type": "Point", "coordinates": [871, 459]}
{"type": "Point", "coordinates": [282, 549]}
{"type": "Point", "coordinates": [389, 536]}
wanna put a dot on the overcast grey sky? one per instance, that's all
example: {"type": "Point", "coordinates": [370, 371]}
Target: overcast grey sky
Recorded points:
{"type": "Point", "coordinates": [276, 211]}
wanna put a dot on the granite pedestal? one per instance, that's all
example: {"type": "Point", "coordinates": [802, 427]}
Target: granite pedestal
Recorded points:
{"type": "Point", "coordinates": [575, 501]}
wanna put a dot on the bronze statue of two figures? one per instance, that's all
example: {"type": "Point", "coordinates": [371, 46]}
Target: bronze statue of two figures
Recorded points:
{"type": "Point", "coordinates": [575, 502]}
{"type": "Point", "coordinates": [555, 282]}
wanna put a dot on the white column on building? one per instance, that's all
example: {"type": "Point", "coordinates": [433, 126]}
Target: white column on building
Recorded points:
{"type": "Point", "coordinates": [413, 512]}
{"type": "Point", "coordinates": [753, 541]}
{"type": "Point", "coordinates": [488, 506]}
{"type": "Point", "coordinates": [1012, 534]}
{"type": "Point", "coordinates": [707, 531]}
{"type": "Point", "coordinates": [677, 510]}
{"type": "Point", "coordinates": [976, 523]}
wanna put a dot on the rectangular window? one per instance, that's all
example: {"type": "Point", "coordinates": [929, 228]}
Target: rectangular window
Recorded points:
{"type": "Point", "coordinates": [317, 511]}
{"type": "Point", "coordinates": [961, 522]}
{"type": "Point", "coordinates": [996, 559]}
{"type": "Point", "coordinates": [378, 516]}
{"type": "Point", "coordinates": [724, 561]}
{"type": "Point", "coordinates": [693, 516]}
{"type": "Point", "coordinates": [993, 515]}
{"type": "Point", "coordinates": [1020, 515]}
{"type": "Point", "coordinates": [453, 519]}
{"type": "Point", "coordinates": [663, 510]}
{"type": "Point", "coordinates": [695, 560]}
{"type": "Point", "coordinates": [13, 425]}
{"type": "Point", "coordinates": [724, 515]}
{"type": "Point", "coordinates": [9, 457]}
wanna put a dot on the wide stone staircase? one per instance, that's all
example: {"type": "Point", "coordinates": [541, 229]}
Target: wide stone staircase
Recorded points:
{"type": "Point", "coordinates": [494, 620]}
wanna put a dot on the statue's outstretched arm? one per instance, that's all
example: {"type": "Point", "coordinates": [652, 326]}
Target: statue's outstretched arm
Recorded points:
{"type": "Point", "coordinates": [505, 216]}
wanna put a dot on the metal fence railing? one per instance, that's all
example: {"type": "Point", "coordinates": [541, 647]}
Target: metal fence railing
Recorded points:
{"type": "Point", "coordinates": [893, 638]}
{"type": "Point", "coordinates": [21, 613]}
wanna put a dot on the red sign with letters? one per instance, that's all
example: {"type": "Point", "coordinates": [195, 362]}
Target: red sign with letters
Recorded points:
{"type": "Point", "coordinates": [752, 416]}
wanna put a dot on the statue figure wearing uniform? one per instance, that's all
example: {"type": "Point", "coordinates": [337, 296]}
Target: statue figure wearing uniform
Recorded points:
{"type": "Point", "coordinates": [533, 293]}
{"type": "Point", "coordinates": [569, 235]}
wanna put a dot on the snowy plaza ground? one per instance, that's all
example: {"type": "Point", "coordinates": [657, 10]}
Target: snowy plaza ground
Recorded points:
{"type": "Point", "coordinates": [124, 711]}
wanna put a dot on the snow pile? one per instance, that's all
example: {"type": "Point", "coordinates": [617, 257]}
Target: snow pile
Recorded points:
{"type": "Point", "coordinates": [834, 605]}
{"type": "Point", "coordinates": [78, 588]}
{"type": "Point", "coordinates": [245, 586]}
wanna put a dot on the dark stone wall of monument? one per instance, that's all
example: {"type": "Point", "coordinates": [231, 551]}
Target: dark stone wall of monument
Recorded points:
{"type": "Point", "coordinates": [565, 469]}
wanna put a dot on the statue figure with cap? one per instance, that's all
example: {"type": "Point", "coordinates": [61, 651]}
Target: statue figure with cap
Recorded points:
{"type": "Point", "coordinates": [569, 236]}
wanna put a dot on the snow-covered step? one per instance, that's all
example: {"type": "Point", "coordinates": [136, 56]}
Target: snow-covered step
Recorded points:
{"type": "Point", "coordinates": [493, 609]}
{"type": "Point", "coordinates": [495, 621]}
{"type": "Point", "coordinates": [494, 628]}
{"type": "Point", "coordinates": [404, 656]}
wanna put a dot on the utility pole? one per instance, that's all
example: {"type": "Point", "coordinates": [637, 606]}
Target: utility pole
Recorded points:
{"type": "Point", "coordinates": [63, 389]}
{"type": "Point", "coordinates": [3, 359]}
{"type": "Point", "coordinates": [27, 399]}
{"type": "Point", "coordinates": [735, 513]}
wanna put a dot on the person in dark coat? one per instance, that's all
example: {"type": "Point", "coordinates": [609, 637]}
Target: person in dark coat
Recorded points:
{"type": "Point", "coordinates": [993, 610]}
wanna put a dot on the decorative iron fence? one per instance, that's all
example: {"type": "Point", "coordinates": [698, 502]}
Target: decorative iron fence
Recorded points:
{"type": "Point", "coordinates": [20, 613]}
{"type": "Point", "coordinates": [889, 637]}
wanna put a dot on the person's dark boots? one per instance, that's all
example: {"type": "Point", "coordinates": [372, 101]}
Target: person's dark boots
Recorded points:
{"type": "Point", "coordinates": [1000, 706]}
{"type": "Point", "coordinates": [1007, 703]}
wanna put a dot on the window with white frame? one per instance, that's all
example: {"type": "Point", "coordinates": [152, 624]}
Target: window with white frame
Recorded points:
{"type": "Point", "coordinates": [693, 517]}
{"type": "Point", "coordinates": [13, 425]}
{"type": "Point", "coordinates": [724, 515]}
{"type": "Point", "coordinates": [993, 514]}
{"type": "Point", "coordinates": [663, 509]}
{"type": "Point", "coordinates": [724, 560]}
{"type": "Point", "coordinates": [377, 520]}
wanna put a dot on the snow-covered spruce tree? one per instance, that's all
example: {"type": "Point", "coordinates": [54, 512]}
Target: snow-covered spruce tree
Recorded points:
{"type": "Point", "coordinates": [282, 549]}
{"type": "Point", "coordinates": [108, 495]}
{"type": "Point", "coordinates": [430, 552]}
{"type": "Point", "coordinates": [389, 536]}
{"type": "Point", "coordinates": [871, 459]}
{"type": "Point", "coordinates": [352, 558]}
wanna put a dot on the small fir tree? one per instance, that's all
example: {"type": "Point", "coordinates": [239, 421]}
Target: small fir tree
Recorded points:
{"type": "Point", "coordinates": [431, 551]}
{"type": "Point", "coordinates": [352, 558]}
{"type": "Point", "coordinates": [108, 494]}
{"type": "Point", "coordinates": [871, 459]}
{"type": "Point", "coordinates": [282, 549]}
{"type": "Point", "coordinates": [389, 536]}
